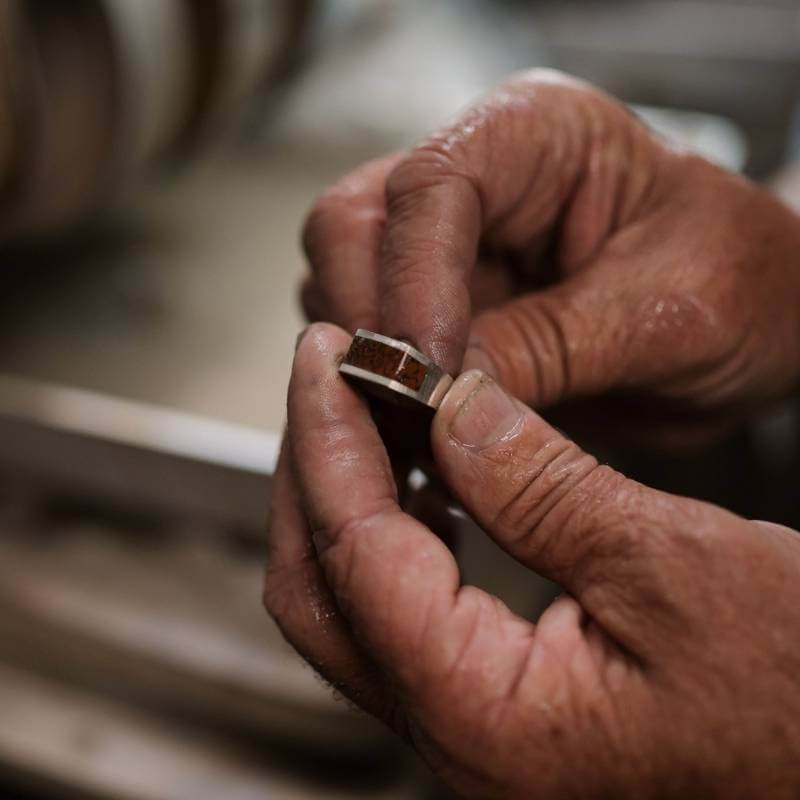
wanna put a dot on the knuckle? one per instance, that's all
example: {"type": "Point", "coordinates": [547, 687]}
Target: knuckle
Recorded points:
{"type": "Point", "coordinates": [554, 475]}
{"type": "Point", "coordinates": [603, 503]}
{"type": "Point", "coordinates": [341, 544]}
{"type": "Point", "coordinates": [325, 207]}
{"type": "Point", "coordinates": [571, 511]}
{"type": "Point", "coordinates": [338, 559]}
{"type": "Point", "coordinates": [312, 301]}
{"type": "Point", "coordinates": [542, 90]}
{"type": "Point", "coordinates": [321, 221]}
{"type": "Point", "coordinates": [548, 76]}
{"type": "Point", "coordinates": [559, 86]}
{"type": "Point", "coordinates": [339, 211]}
{"type": "Point", "coordinates": [428, 165]}
{"type": "Point", "coordinates": [314, 233]}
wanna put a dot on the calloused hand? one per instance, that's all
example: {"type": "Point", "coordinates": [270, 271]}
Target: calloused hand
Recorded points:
{"type": "Point", "coordinates": [668, 669]}
{"type": "Point", "coordinates": [551, 239]}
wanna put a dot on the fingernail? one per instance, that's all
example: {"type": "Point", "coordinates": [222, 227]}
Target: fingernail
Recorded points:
{"type": "Point", "coordinates": [486, 416]}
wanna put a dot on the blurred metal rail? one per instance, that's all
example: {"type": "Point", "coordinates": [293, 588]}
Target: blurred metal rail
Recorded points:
{"type": "Point", "coordinates": [134, 454]}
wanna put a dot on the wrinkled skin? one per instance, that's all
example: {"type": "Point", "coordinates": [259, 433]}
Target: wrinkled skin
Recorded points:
{"type": "Point", "coordinates": [669, 666]}
{"type": "Point", "coordinates": [670, 669]}
{"type": "Point", "coordinates": [667, 277]}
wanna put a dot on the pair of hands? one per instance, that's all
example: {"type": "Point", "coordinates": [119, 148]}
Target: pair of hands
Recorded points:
{"type": "Point", "coordinates": [670, 666]}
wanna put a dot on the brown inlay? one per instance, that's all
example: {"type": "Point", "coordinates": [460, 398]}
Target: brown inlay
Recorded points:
{"type": "Point", "coordinates": [387, 361]}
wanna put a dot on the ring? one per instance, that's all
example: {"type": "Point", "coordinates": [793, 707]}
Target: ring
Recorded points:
{"type": "Point", "coordinates": [395, 371]}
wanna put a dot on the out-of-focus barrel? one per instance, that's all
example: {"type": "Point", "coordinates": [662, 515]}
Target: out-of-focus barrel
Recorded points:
{"type": "Point", "coordinates": [94, 92]}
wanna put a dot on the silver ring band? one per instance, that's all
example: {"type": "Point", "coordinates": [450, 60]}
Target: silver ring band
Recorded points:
{"type": "Point", "coordinates": [394, 370]}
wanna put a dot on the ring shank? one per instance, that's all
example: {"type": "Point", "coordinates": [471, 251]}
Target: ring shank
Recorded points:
{"type": "Point", "coordinates": [395, 370]}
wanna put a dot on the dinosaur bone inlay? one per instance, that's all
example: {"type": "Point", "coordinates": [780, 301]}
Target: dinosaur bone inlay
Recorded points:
{"type": "Point", "coordinates": [389, 362]}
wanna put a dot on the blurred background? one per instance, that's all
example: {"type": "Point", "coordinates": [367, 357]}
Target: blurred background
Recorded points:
{"type": "Point", "coordinates": [156, 160]}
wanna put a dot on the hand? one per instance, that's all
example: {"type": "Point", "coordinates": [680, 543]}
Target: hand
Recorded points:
{"type": "Point", "coordinates": [656, 273]}
{"type": "Point", "coordinates": [669, 669]}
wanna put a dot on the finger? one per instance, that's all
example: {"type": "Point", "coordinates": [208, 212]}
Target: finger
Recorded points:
{"type": "Point", "coordinates": [594, 333]}
{"type": "Point", "coordinates": [433, 229]}
{"type": "Point", "coordinates": [509, 169]}
{"type": "Point", "coordinates": [611, 542]}
{"type": "Point", "coordinates": [548, 346]}
{"type": "Point", "coordinates": [492, 284]}
{"type": "Point", "coordinates": [393, 578]}
{"type": "Point", "coordinates": [297, 597]}
{"type": "Point", "coordinates": [367, 545]}
{"type": "Point", "coordinates": [342, 238]}
{"type": "Point", "coordinates": [312, 300]}
{"type": "Point", "coordinates": [774, 527]}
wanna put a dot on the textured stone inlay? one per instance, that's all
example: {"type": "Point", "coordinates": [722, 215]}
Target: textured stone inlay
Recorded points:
{"type": "Point", "coordinates": [387, 361]}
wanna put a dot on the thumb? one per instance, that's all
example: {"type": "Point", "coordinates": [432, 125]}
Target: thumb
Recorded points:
{"type": "Point", "coordinates": [618, 547]}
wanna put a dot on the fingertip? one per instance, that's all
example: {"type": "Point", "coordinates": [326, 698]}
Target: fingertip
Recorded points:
{"type": "Point", "coordinates": [316, 387]}
{"type": "Point", "coordinates": [321, 341]}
